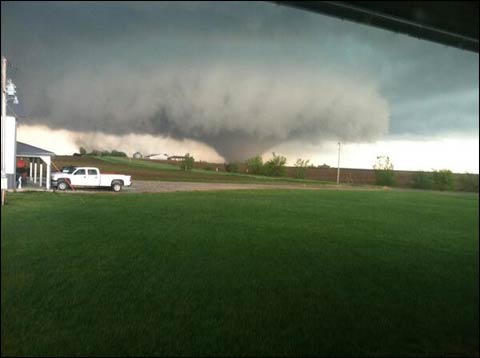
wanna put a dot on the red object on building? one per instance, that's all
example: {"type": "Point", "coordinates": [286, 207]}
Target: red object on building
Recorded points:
{"type": "Point", "coordinates": [21, 163]}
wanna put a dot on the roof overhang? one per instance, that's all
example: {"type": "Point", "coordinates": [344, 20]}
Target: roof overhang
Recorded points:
{"type": "Point", "coordinates": [27, 150]}
{"type": "Point", "coordinates": [451, 23]}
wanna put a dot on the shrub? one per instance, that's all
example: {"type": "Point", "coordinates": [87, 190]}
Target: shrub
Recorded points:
{"type": "Point", "coordinates": [301, 168]}
{"type": "Point", "coordinates": [187, 162]}
{"type": "Point", "coordinates": [468, 182]}
{"type": "Point", "coordinates": [275, 167]}
{"type": "Point", "coordinates": [384, 174]}
{"type": "Point", "coordinates": [385, 177]}
{"type": "Point", "coordinates": [116, 153]}
{"type": "Point", "coordinates": [443, 180]}
{"type": "Point", "coordinates": [422, 180]}
{"type": "Point", "coordinates": [232, 167]}
{"type": "Point", "coordinates": [255, 165]}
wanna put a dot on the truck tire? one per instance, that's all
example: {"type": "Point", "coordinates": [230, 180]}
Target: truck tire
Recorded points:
{"type": "Point", "coordinates": [116, 186]}
{"type": "Point", "coordinates": [62, 185]}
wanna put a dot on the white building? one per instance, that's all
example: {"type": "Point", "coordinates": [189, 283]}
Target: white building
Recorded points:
{"type": "Point", "coordinates": [40, 167]}
{"type": "Point", "coordinates": [40, 160]}
{"type": "Point", "coordinates": [9, 148]}
{"type": "Point", "coordinates": [157, 156]}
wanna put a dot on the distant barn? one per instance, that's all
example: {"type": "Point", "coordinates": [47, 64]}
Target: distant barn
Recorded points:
{"type": "Point", "coordinates": [177, 158]}
{"type": "Point", "coordinates": [156, 156]}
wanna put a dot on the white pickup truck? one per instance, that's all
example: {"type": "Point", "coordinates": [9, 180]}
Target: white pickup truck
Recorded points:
{"type": "Point", "coordinates": [74, 177]}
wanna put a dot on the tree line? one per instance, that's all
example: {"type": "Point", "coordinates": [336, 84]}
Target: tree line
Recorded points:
{"type": "Point", "coordinates": [101, 153]}
{"type": "Point", "coordinates": [435, 180]}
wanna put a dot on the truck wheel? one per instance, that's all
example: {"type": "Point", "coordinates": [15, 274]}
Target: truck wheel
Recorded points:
{"type": "Point", "coordinates": [117, 187]}
{"type": "Point", "coordinates": [62, 186]}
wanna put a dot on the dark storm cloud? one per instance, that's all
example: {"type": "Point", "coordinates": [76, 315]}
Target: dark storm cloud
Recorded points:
{"type": "Point", "coordinates": [241, 77]}
{"type": "Point", "coordinates": [224, 106]}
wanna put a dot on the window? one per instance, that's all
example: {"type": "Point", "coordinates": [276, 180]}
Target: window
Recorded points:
{"type": "Point", "coordinates": [67, 170]}
{"type": "Point", "coordinates": [92, 172]}
{"type": "Point", "coordinates": [80, 172]}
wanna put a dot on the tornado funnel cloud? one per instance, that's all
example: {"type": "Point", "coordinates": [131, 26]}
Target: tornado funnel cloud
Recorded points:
{"type": "Point", "coordinates": [237, 112]}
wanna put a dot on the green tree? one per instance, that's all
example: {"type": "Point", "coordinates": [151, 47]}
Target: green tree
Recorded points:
{"type": "Point", "coordinates": [187, 162]}
{"type": "Point", "coordinates": [301, 168]}
{"type": "Point", "coordinates": [275, 167]}
{"type": "Point", "coordinates": [255, 165]}
{"type": "Point", "coordinates": [116, 153]}
{"type": "Point", "coordinates": [83, 151]}
{"type": "Point", "coordinates": [232, 167]}
{"type": "Point", "coordinates": [384, 174]}
{"type": "Point", "coordinates": [443, 180]}
{"type": "Point", "coordinates": [468, 182]}
{"type": "Point", "coordinates": [422, 180]}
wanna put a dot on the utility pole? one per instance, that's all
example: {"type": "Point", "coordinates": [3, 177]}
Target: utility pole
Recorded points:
{"type": "Point", "coordinates": [338, 165]}
{"type": "Point", "coordinates": [4, 113]}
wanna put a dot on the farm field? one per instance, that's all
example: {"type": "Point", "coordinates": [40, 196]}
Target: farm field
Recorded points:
{"type": "Point", "coordinates": [152, 170]}
{"type": "Point", "coordinates": [240, 273]}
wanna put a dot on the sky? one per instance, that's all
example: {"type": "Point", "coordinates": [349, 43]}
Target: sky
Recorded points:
{"type": "Point", "coordinates": [227, 81]}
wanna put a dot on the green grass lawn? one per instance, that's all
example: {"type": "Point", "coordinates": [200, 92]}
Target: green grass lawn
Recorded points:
{"type": "Point", "coordinates": [247, 273]}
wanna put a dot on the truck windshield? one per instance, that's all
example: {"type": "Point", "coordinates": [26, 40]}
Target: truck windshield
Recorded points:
{"type": "Point", "coordinates": [68, 170]}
